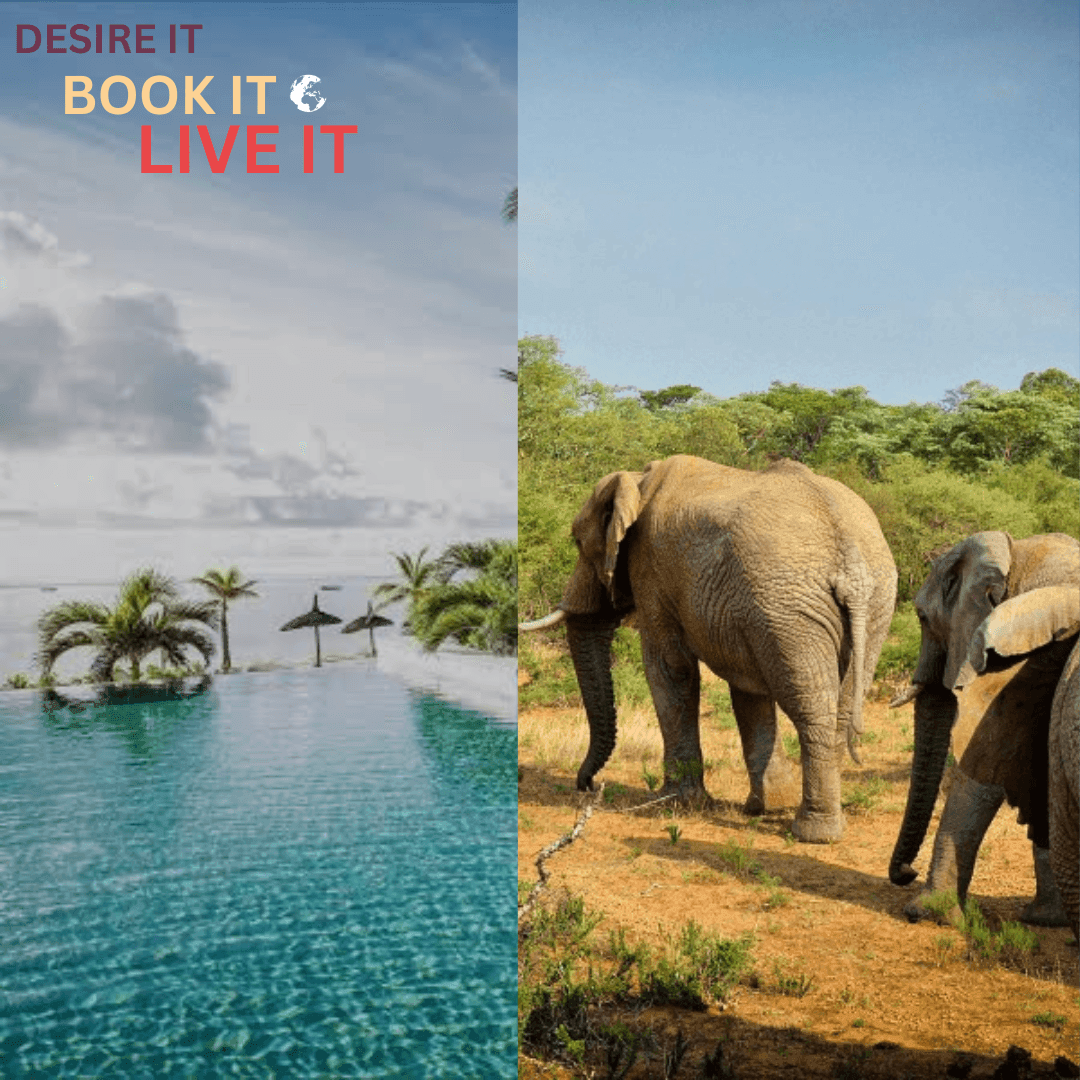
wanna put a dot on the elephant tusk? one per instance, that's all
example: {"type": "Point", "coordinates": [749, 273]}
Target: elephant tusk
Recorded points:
{"type": "Point", "coordinates": [548, 621]}
{"type": "Point", "coordinates": [910, 694]}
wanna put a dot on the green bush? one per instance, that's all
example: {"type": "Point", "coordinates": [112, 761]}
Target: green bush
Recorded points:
{"type": "Point", "coordinates": [932, 473]}
{"type": "Point", "coordinates": [900, 653]}
{"type": "Point", "coordinates": [552, 684]}
{"type": "Point", "coordinates": [700, 968]}
{"type": "Point", "coordinates": [718, 698]}
{"type": "Point", "coordinates": [628, 673]}
{"type": "Point", "coordinates": [564, 977]}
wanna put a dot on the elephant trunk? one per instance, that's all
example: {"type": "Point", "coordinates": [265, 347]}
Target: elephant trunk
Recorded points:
{"type": "Point", "coordinates": [935, 714]}
{"type": "Point", "coordinates": [590, 649]}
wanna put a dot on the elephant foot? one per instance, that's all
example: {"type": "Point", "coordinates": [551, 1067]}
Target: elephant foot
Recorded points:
{"type": "Point", "coordinates": [917, 910]}
{"type": "Point", "coordinates": [1042, 913]}
{"type": "Point", "coordinates": [1047, 909]}
{"type": "Point", "coordinates": [692, 796]}
{"type": "Point", "coordinates": [771, 799]}
{"type": "Point", "coordinates": [818, 828]}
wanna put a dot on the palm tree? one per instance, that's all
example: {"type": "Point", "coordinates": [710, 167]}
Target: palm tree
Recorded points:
{"type": "Point", "coordinates": [226, 585]}
{"type": "Point", "coordinates": [414, 573]}
{"type": "Point", "coordinates": [481, 611]}
{"type": "Point", "coordinates": [149, 615]}
{"type": "Point", "coordinates": [478, 555]}
{"type": "Point", "coordinates": [509, 210]}
{"type": "Point", "coordinates": [509, 214]}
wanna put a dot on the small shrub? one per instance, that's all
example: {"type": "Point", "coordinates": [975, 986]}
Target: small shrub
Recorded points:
{"type": "Point", "coordinates": [1012, 945]}
{"type": "Point", "coordinates": [652, 781]}
{"type": "Point", "coordinates": [737, 858]}
{"type": "Point", "coordinates": [18, 681]}
{"type": "Point", "coordinates": [611, 792]}
{"type": "Point", "coordinates": [1016, 944]}
{"type": "Point", "coordinates": [564, 978]}
{"type": "Point", "coordinates": [714, 1067]}
{"type": "Point", "coordinates": [673, 1057]}
{"type": "Point", "coordinates": [792, 985]}
{"type": "Point", "coordinates": [621, 1045]}
{"type": "Point", "coordinates": [1051, 1020]}
{"type": "Point", "coordinates": [941, 904]}
{"type": "Point", "coordinates": [943, 946]}
{"type": "Point", "coordinates": [792, 747]}
{"type": "Point", "coordinates": [776, 898]}
{"type": "Point", "coordinates": [575, 1048]}
{"type": "Point", "coordinates": [700, 968]}
{"type": "Point", "coordinates": [674, 832]}
{"type": "Point", "coordinates": [865, 796]}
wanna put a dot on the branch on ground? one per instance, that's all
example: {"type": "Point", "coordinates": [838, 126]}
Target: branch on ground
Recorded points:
{"type": "Point", "coordinates": [544, 874]}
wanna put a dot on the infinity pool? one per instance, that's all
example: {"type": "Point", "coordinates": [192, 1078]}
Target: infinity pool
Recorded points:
{"type": "Point", "coordinates": [293, 874]}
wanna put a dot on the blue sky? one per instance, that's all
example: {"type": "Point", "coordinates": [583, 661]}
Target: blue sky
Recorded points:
{"type": "Point", "coordinates": [831, 193]}
{"type": "Point", "coordinates": [290, 371]}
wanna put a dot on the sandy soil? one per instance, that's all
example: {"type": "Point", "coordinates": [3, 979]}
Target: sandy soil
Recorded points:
{"type": "Point", "coordinates": [887, 998]}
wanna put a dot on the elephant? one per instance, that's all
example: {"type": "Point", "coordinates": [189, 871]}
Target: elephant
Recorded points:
{"type": "Point", "coordinates": [964, 586]}
{"type": "Point", "coordinates": [1064, 788]}
{"type": "Point", "coordinates": [780, 581]}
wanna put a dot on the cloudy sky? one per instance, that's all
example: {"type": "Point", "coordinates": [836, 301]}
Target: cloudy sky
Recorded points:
{"type": "Point", "coordinates": [835, 193]}
{"type": "Point", "coordinates": [292, 371]}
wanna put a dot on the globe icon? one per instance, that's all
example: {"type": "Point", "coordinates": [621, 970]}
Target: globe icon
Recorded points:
{"type": "Point", "coordinates": [305, 96]}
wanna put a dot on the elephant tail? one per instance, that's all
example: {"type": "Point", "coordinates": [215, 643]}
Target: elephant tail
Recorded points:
{"type": "Point", "coordinates": [854, 588]}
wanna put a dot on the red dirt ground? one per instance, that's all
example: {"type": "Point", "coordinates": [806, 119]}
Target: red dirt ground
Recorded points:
{"type": "Point", "coordinates": [885, 1001]}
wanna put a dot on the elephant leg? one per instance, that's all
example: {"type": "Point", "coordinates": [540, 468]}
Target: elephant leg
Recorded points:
{"type": "Point", "coordinates": [1047, 908]}
{"type": "Point", "coordinates": [774, 780]}
{"type": "Point", "coordinates": [819, 819]}
{"type": "Point", "coordinates": [969, 809]}
{"type": "Point", "coordinates": [675, 681]}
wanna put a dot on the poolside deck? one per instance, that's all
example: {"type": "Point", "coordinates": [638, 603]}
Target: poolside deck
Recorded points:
{"type": "Point", "coordinates": [485, 683]}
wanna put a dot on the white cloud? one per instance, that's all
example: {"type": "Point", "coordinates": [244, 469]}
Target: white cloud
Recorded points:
{"type": "Point", "coordinates": [116, 414]}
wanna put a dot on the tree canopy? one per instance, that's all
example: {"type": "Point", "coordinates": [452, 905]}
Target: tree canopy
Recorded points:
{"type": "Point", "coordinates": [149, 616]}
{"type": "Point", "coordinates": [984, 458]}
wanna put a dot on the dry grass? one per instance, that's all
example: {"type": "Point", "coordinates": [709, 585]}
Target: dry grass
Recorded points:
{"type": "Point", "coordinates": [827, 915]}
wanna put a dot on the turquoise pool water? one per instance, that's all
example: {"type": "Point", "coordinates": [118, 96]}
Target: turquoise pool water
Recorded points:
{"type": "Point", "coordinates": [293, 874]}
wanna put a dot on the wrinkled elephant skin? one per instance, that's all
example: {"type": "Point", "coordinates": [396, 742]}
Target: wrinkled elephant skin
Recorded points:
{"type": "Point", "coordinates": [780, 582]}
{"type": "Point", "coordinates": [1009, 606]}
{"type": "Point", "coordinates": [1065, 788]}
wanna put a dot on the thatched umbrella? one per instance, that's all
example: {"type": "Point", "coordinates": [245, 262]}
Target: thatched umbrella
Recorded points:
{"type": "Point", "coordinates": [315, 618]}
{"type": "Point", "coordinates": [368, 622]}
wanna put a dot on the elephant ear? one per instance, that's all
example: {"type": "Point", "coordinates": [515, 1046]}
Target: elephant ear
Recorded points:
{"type": "Point", "coordinates": [621, 506]}
{"type": "Point", "coordinates": [1021, 625]}
{"type": "Point", "coordinates": [974, 583]}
